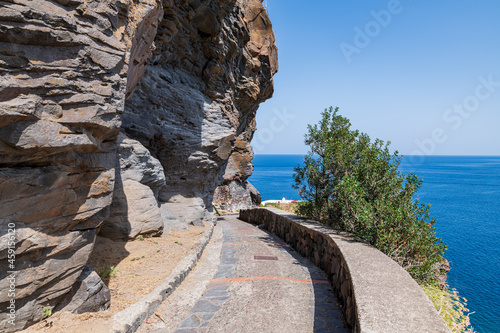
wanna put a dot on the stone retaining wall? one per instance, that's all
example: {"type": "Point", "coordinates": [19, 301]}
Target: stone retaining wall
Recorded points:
{"type": "Point", "coordinates": [377, 294]}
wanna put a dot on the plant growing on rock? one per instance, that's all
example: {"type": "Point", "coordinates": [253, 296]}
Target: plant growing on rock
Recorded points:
{"type": "Point", "coordinates": [107, 272]}
{"type": "Point", "coordinates": [353, 183]}
{"type": "Point", "coordinates": [47, 312]}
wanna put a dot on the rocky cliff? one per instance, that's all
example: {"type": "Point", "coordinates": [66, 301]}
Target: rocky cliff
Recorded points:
{"type": "Point", "coordinates": [194, 73]}
{"type": "Point", "coordinates": [235, 192]}
{"type": "Point", "coordinates": [212, 66]}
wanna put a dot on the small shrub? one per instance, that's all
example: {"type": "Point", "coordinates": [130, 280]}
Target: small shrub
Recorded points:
{"type": "Point", "coordinates": [107, 272]}
{"type": "Point", "coordinates": [141, 238]}
{"type": "Point", "coordinates": [47, 312]}
{"type": "Point", "coordinates": [289, 207]}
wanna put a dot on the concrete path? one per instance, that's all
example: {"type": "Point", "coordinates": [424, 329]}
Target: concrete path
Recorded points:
{"type": "Point", "coordinates": [249, 281]}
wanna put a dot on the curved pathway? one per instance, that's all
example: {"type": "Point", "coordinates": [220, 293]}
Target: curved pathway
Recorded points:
{"type": "Point", "coordinates": [249, 280]}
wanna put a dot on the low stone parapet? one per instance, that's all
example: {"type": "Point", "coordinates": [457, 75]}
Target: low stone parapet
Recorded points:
{"type": "Point", "coordinates": [378, 295]}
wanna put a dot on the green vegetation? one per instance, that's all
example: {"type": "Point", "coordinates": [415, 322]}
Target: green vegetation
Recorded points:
{"type": "Point", "coordinates": [289, 207]}
{"type": "Point", "coordinates": [141, 238]}
{"type": "Point", "coordinates": [47, 312]}
{"type": "Point", "coordinates": [216, 210]}
{"type": "Point", "coordinates": [353, 184]}
{"type": "Point", "coordinates": [107, 272]}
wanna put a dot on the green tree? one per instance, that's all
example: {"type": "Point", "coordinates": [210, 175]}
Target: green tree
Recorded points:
{"type": "Point", "coordinates": [353, 184]}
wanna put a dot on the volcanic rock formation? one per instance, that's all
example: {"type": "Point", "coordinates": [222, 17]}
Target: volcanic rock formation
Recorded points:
{"type": "Point", "coordinates": [64, 76]}
{"type": "Point", "coordinates": [236, 192]}
{"type": "Point", "coordinates": [212, 67]}
{"type": "Point", "coordinates": [195, 73]}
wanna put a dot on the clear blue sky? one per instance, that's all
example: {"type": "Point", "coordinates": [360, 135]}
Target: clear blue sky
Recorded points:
{"type": "Point", "coordinates": [415, 73]}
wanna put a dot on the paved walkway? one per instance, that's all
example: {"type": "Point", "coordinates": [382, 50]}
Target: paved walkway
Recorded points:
{"type": "Point", "coordinates": [249, 281]}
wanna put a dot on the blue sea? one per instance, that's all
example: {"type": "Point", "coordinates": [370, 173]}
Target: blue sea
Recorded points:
{"type": "Point", "coordinates": [464, 192]}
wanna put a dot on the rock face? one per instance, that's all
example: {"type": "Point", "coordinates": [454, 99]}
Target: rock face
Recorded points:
{"type": "Point", "coordinates": [442, 273]}
{"type": "Point", "coordinates": [236, 192]}
{"type": "Point", "coordinates": [89, 294]}
{"type": "Point", "coordinates": [196, 103]}
{"type": "Point", "coordinates": [64, 71]}
{"type": "Point", "coordinates": [135, 209]}
{"type": "Point", "coordinates": [235, 196]}
{"type": "Point", "coordinates": [239, 166]}
{"type": "Point", "coordinates": [195, 73]}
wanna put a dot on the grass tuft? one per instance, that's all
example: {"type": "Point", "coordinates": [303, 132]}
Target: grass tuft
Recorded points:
{"type": "Point", "coordinates": [107, 272]}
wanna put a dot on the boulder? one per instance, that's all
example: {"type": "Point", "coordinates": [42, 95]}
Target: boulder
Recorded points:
{"type": "Point", "coordinates": [135, 209]}
{"type": "Point", "coordinates": [88, 294]}
{"type": "Point", "coordinates": [254, 194]}
{"type": "Point", "coordinates": [134, 212]}
{"type": "Point", "coordinates": [235, 192]}
{"type": "Point", "coordinates": [236, 195]}
{"type": "Point", "coordinates": [240, 165]}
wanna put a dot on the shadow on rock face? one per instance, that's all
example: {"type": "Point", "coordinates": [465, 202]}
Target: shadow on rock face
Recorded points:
{"type": "Point", "coordinates": [199, 96]}
{"type": "Point", "coordinates": [64, 78]}
{"type": "Point", "coordinates": [62, 98]}
{"type": "Point", "coordinates": [190, 137]}
{"type": "Point", "coordinates": [135, 208]}
{"type": "Point", "coordinates": [55, 210]}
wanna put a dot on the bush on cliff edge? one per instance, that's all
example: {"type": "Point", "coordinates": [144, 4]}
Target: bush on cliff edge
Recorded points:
{"type": "Point", "coordinates": [352, 183]}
